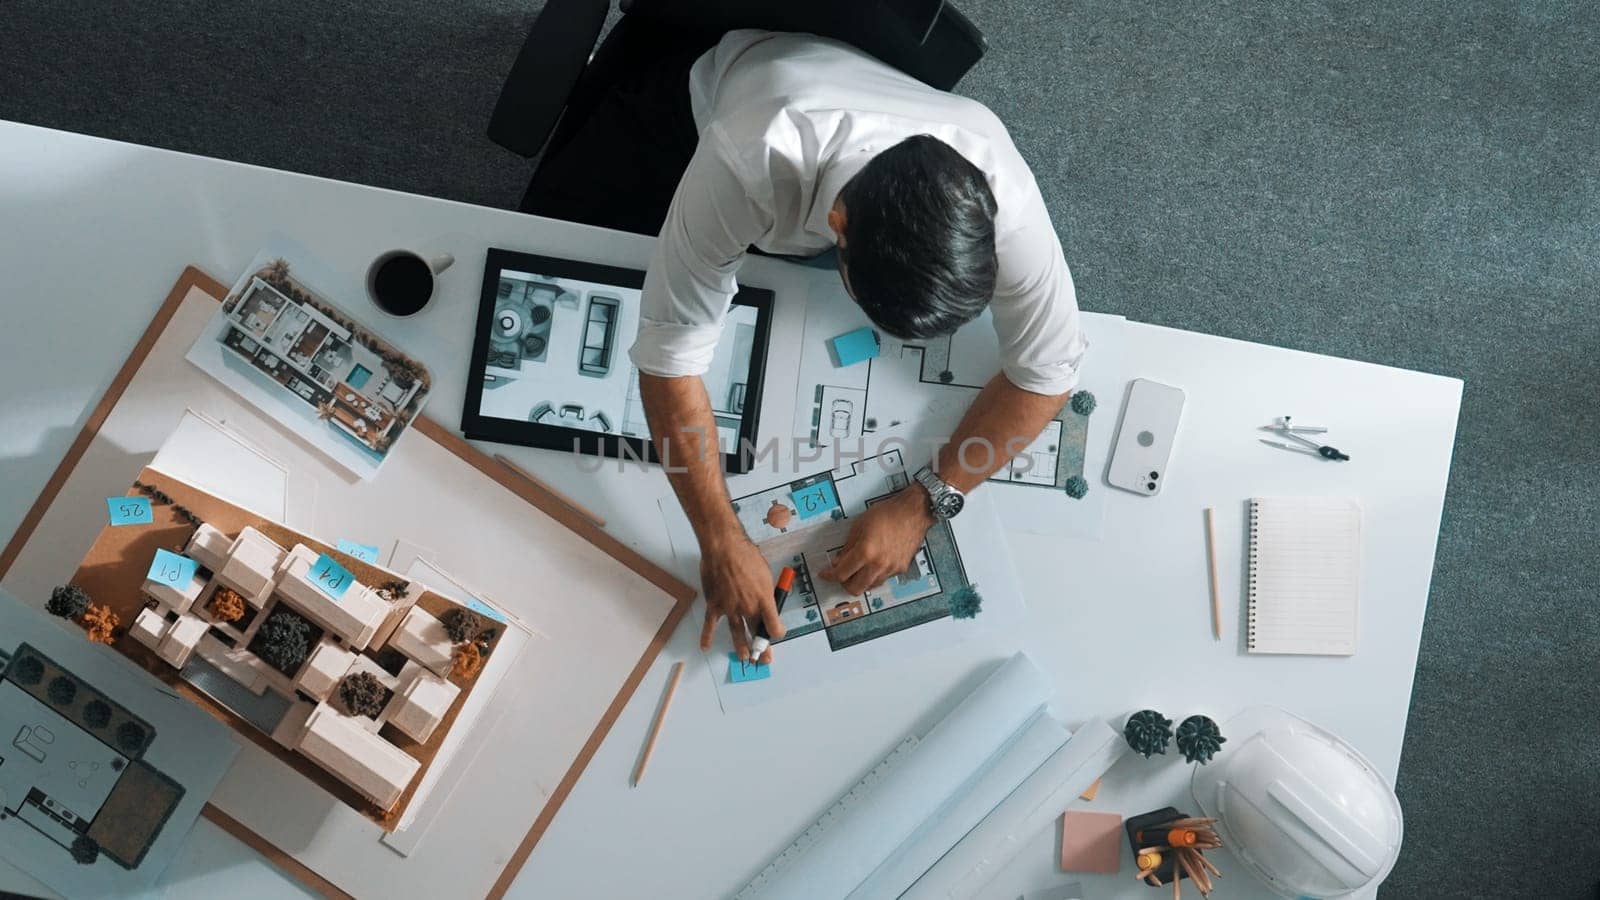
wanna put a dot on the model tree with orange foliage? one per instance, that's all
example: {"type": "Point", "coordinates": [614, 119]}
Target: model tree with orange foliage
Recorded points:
{"type": "Point", "coordinates": [466, 661]}
{"type": "Point", "coordinates": [101, 624]}
{"type": "Point", "coordinates": [227, 605]}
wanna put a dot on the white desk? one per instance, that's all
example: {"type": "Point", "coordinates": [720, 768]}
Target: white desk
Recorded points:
{"type": "Point", "coordinates": [96, 232]}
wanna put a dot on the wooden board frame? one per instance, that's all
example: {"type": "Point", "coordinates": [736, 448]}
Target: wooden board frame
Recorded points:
{"type": "Point", "coordinates": [530, 491]}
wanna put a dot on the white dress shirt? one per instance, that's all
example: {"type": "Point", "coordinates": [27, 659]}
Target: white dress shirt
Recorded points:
{"type": "Point", "coordinates": [785, 120]}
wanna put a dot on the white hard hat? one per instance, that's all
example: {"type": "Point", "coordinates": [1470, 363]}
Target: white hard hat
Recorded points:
{"type": "Point", "coordinates": [1302, 809]}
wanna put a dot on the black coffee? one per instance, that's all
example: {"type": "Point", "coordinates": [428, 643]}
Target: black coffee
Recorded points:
{"type": "Point", "coordinates": [402, 285]}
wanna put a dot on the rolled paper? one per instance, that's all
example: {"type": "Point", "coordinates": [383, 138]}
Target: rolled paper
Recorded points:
{"type": "Point", "coordinates": [995, 841]}
{"type": "Point", "coordinates": [853, 845]}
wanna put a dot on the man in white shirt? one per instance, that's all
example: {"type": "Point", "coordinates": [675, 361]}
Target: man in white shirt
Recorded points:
{"type": "Point", "coordinates": [806, 145]}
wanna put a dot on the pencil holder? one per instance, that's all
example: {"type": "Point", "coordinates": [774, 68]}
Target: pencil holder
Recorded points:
{"type": "Point", "coordinates": [1148, 822]}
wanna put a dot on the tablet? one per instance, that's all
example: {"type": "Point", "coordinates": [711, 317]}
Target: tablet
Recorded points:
{"type": "Point", "coordinates": [550, 364]}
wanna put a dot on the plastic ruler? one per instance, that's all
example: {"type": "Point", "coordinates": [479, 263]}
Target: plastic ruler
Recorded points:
{"type": "Point", "coordinates": [840, 808]}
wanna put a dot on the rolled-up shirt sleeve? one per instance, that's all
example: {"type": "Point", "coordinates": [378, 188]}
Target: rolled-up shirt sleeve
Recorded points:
{"type": "Point", "coordinates": [1035, 307]}
{"type": "Point", "coordinates": [690, 281]}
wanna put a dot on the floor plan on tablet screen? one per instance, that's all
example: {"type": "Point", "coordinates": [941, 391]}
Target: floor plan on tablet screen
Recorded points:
{"type": "Point", "coordinates": [558, 355]}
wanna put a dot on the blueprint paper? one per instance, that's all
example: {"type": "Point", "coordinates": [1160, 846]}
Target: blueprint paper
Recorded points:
{"type": "Point", "coordinates": [1013, 763]}
{"type": "Point", "coordinates": [189, 747]}
{"type": "Point", "coordinates": [918, 391]}
{"type": "Point", "coordinates": [850, 848]}
{"type": "Point", "coordinates": [830, 633]}
{"type": "Point", "coordinates": [986, 849]}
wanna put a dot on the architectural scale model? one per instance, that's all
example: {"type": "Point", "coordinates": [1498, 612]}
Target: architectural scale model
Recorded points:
{"type": "Point", "coordinates": [341, 668]}
{"type": "Point", "coordinates": [72, 767]}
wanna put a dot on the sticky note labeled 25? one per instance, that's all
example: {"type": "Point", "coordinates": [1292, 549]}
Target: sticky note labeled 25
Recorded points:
{"type": "Point", "coordinates": [130, 510]}
{"type": "Point", "coordinates": [363, 552]}
{"type": "Point", "coordinates": [172, 569]}
{"type": "Point", "coordinates": [330, 577]}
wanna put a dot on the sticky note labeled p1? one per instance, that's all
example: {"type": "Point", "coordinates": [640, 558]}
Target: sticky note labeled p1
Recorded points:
{"type": "Point", "coordinates": [739, 670]}
{"type": "Point", "coordinates": [130, 510]}
{"type": "Point", "coordinates": [172, 569]}
{"type": "Point", "coordinates": [330, 577]}
{"type": "Point", "coordinates": [363, 552]}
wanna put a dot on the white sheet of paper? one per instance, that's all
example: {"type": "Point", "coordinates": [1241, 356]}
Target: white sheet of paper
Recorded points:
{"type": "Point", "coordinates": [190, 747]}
{"type": "Point", "coordinates": [901, 395]}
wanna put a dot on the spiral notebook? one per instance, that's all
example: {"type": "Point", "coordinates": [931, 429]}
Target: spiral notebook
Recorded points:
{"type": "Point", "coordinates": [1305, 575]}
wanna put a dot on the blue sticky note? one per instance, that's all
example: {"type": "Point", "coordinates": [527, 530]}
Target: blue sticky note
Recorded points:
{"type": "Point", "coordinates": [330, 577]}
{"type": "Point", "coordinates": [814, 500]}
{"type": "Point", "coordinates": [130, 510]}
{"type": "Point", "coordinates": [743, 671]}
{"type": "Point", "coordinates": [172, 569]}
{"type": "Point", "coordinates": [363, 552]}
{"type": "Point", "coordinates": [483, 609]}
{"type": "Point", "coordinates": [856, 346]}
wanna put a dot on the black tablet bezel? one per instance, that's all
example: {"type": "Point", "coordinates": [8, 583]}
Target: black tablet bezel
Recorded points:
{"type": "Point", "coordinates": [479, 427]}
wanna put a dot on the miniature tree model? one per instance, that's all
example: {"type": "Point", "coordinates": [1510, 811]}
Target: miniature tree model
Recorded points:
{"type": "Point", "coordinates": [130, 737]}
{"type": "Point", "coordinates": [284, 641]}
{"type": "Point", "coordinates": [1083, 403]}
{"type": "Point", "coordinates": [1199, 739]}
{"type": "Point", "coordinates": [67, 601]}
{"type": "Point", "coordinates": [101, 624]}
{"type": "Point", "coordinates": [97, 714]}
{"type": "Point", "coordinates": [29, 670]}
{"type": "Point", "coordinates": [946, 376]}
{"type": "Point", "coordinates": [226, 605]}
{"type": "Point", "coordinates": [1076, 487]}
{"type": "Point", "coordinates": [363, 694]}
{"type": "Point", "coordinates": [1148, 732]}
{"type": "Point", "coordinates": [466, 661]}
{"type": "Point", "coordinates": [461, 624]}
{"type": "Point", "coordinates": [391, 590]}
{"type": "Point", "coordinates": [85, 850]}
{"type": "Point", "coordinates": [966, 603]}
{"type": "Point", "coordinates": [62, 690]}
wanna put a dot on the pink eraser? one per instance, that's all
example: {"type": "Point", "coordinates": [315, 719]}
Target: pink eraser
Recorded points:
{"type": "Point", "coordinates": [1091, 842]}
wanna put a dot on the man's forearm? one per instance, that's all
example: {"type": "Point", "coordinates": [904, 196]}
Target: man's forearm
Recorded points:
{"type": "Point", "coordinates": [685, 434]}
{"type": "Point", "coordinates": [1001, 421]}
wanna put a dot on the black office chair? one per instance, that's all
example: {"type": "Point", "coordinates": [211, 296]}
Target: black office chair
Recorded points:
{"type": "Point", "coordinates": [555, 79]}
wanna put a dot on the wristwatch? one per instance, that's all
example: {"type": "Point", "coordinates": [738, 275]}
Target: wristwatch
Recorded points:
{"type": "Point", "coordinates": [944, 501]}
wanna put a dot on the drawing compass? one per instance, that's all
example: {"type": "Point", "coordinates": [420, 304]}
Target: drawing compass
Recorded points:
{"type": "Point", "coordinates": [1285, 427]}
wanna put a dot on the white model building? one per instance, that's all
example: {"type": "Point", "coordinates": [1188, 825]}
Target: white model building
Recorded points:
{"type": "Point", "coordinates": [309, 714]}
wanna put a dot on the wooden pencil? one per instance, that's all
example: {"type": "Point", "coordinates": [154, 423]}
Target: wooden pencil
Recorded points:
{"type": "Point", "coordinates": [1211, 560]}
{"type": "Point", "coordinates": [661, 715]}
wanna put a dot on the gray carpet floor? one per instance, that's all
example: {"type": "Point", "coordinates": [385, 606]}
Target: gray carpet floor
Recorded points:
{"type": "Point", "coordinates": [1416, 184]}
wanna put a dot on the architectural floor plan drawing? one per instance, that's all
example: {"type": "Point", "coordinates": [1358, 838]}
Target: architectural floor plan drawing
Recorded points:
{"type": "Point", "coordinates": [957, 584]}
{"type": "Point", "coordinates": [803, 524]}
{"type": "Point", "coordinates": [102, 773]}
{"type": "Point", "coordinates": [918, 390]}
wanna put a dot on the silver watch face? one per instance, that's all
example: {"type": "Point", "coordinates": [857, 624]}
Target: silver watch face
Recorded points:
{"type": "Point", "coordinates": [950, 504]}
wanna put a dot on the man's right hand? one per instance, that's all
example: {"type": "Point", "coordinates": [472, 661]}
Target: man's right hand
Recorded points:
{"type": "Point", "coordinates": [738, 584]}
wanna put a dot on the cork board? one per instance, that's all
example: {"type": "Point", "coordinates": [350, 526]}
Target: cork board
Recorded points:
{"type": "Point", "coordinates": [143, 404]}
{"type": "Point", "coordinates": [115, 567]}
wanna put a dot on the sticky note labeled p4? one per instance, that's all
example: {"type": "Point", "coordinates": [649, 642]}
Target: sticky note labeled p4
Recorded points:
{"type": "Point", "coordinates": [330, 577]}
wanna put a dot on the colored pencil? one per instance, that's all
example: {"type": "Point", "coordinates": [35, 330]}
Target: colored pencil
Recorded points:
{"type": "Point", "coordinates": [1211, 559]}
{"type": "Point", "coordinates": [661, 715]}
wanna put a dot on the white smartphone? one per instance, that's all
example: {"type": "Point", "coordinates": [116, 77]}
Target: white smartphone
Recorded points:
{"type": "Point", "coordinates": [1143, 448]}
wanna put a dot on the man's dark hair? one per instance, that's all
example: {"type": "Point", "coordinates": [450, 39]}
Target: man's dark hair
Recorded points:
{"type": "Point", "coordinates": [918, 247]}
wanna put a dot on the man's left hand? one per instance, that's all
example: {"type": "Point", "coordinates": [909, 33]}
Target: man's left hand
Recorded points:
{"type": "Point", "coordinates": [882, 541]}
